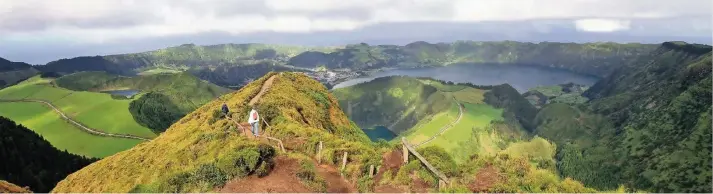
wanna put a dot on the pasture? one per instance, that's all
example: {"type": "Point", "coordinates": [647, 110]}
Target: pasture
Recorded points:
{"type": "Point", "coordinates": [95, 110]}
{"type": "Point", "coordinates": [62, 135]}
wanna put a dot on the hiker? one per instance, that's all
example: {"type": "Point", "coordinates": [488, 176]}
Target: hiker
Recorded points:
{"type": "Point", "coordinates": [225, 109]}
{"type": "Point", "coordinates": [254, 121]}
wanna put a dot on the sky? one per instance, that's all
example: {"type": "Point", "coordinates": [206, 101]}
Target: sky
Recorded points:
{"type": "Point", "coordinates": [39, 31]}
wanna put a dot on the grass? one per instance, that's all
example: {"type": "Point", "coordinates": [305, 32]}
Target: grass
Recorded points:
{"type": "Point", "coordinates": [476, 118]}
{"type": "Point", "coordinates": [295, 116]}
{"type": "Point", "coordinates": [159, 71]}
{"type": "Point", "coordinates": [96, 110]}
{"type": "Point", "coordinates": [61, 134]}
{"type": "Point", "coordinates": [472, 134]}
{"type": "Point", "coordinates": [431, 126]}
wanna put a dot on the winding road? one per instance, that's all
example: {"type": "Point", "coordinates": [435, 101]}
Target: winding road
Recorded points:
{"type": "Point", "coordinates": [444, 128]}
{"type": "Point", "coordinates": [79, 125]}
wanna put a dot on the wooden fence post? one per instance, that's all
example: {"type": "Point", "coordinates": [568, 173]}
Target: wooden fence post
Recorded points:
{"type": "Point", "coordinates": [405, 152]}
{"type": "Point", "coordinates": [319, 153]}
{"type": "Point", "coordinates": [344, 161]}
{"type": "Point", "coordinates": [371, 171]}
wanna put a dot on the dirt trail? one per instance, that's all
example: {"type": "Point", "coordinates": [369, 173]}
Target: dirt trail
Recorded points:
{"type": "Point", "coordinates": [77, 124]}
{"type": "Point", "coordinates": [265, 86]}
{"type": "Point", "coordinates": [282, 179]}
{"type": "Point", "coordinates": [335, 182]}
{"type": "Point", "coordinates": [392, 162]}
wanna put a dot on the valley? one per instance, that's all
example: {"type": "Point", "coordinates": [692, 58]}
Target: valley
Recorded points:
{"type": "Point", "coordinates": [489, 127]}
{"type": "Point", "coordinates": [326, 96]}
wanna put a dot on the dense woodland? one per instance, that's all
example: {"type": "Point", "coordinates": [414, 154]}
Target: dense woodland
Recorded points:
{"type": "Point", "coordinates": [29, 160]}
{"type": "Point", "coordinates": [155, 111]}
{"type": "Point", "coordinates": [647, 125]}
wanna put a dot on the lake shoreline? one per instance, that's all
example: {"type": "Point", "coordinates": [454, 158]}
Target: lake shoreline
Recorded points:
{"type": "Point", "coordinates": [515, 75]}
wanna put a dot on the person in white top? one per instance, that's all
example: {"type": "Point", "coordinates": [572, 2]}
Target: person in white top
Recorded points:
{"type": "Point", "coordinates": [254, 121]}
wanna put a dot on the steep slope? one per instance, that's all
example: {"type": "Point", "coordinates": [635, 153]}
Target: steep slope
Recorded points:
{"type": "Point", "coordinates": [233, 64]}
{"type": "Point", "coordinates": [29, 160]}
{"type": "Point", "coordinates": [204, 147]}
{"type": "Point", "coordinates": [430, 112]}
{"type": "Point", "coordinates": [169, 96]}
{"type": "Point", "coordinates": [649, 124]}
{"type": "Point", "coordinates": [13, 72]}
{"type": "Point", "coordinates": [395, 102]}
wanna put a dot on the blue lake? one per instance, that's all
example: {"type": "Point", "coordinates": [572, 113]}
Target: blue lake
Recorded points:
{"type": "Point", "coordinates": [379, 132]}
{"type": "Point", "coordinates": [521, 78]}
{"type": "Point", "coordinates": [127, 93]}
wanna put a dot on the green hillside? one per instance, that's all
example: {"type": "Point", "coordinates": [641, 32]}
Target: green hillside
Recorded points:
{"type": "Point", "coordinates": [421, 108]}
{"type": "Point", "coordinates": [233, 64]}
{"type": "Point", "coordinates": [13, 72]}
{"type": "Point", "coordinates": [62, 135]}
{"type": "Point", "coordinates": [29, 160]}
{"type": "Point", "coordinates": [647, 125]}
{"type": "Point", "coordinates": [395, 102]}
{"type": "Point", "coordinates": [569, 93]}
{"type": "Point", "coordinates": [203, 153]}
{"type": "Point", "coordinates": [168, 96]}
{"type": "Point", "coordinates": [98, 111]}
{"type": "Point", "coordinates": [199, 141]}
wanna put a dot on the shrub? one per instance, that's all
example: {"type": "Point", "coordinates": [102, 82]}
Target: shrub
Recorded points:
{"type": "Point", "coordinates": [365, 184]}
{"type": "Point", "coordinates": [210, 174]}
{"type": "Point", "coordinates": [239, 163]}
{"type": "Point", "coordinates": [265, 168]}
{"type": "Point", "coordinates": [176, 183]}
{"type": "Point", "coordinates": [307, 174]}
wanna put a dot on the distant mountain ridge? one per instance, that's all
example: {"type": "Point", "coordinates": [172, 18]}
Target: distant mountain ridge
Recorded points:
{"type": "Point", "coordinates": [13, 72]}
{"type": "Point", "coordinates": [217, 63]}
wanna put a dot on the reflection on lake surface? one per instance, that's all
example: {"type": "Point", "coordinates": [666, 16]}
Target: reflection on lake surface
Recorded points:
{"type": "Point", "coordinates": [521, 78]}
{"type": "Point", "coordinates": [379, 132]}
{"type": "Point", "coordinates": [127, 93]}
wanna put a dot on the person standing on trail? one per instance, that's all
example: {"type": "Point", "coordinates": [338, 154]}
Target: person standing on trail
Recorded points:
{"type": "Point", "coordinates": [225, 110]}
{"type": "Point", "coordinates": [254, 121]}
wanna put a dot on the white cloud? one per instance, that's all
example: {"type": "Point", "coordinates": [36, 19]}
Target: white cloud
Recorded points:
{"type": "Point", "coordinates": [115, 20]}
{"type": "Point", "coordinates": [602, 25]}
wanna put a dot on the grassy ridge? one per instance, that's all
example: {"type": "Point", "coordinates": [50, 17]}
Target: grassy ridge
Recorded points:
{"type": "Point", "coordinates": [299, 109]}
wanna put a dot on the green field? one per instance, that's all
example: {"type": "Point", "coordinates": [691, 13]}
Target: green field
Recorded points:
{"type": "Point", "coordinates": [472, 134]}
{"type": "Point", "coordinates": [60, 133]}
{"type": "Point", "coordinates": [430, 126]}
{"type": "Point", "coordinates": [159, 70]}
{"type": "Point", "coordinates": [95, 110]}
{"type": "Point", "coordinates": [476, 118]}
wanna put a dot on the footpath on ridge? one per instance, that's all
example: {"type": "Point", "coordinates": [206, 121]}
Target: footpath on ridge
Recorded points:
{"type": "Point", "coordinates": [283, 176]}
{"type": "Point", "coordinates": [77, 124]}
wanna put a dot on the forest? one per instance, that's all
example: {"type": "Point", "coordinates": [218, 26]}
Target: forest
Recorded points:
{"type": "Point", "coordinates": [29, 160]}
